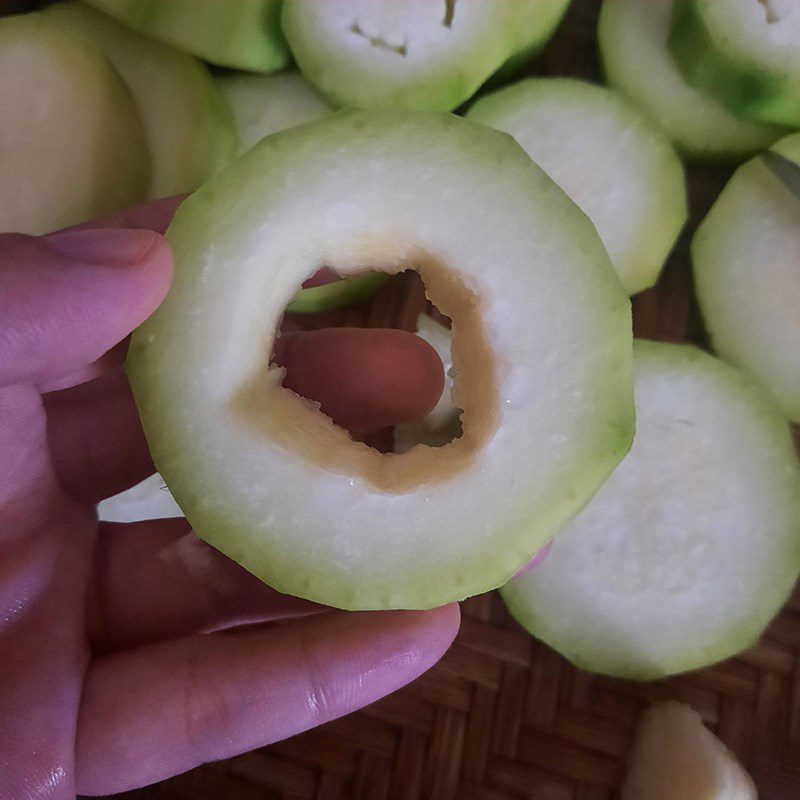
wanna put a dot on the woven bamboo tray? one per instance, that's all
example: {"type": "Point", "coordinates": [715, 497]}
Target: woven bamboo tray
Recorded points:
{"type": "Point", "coordinates": [502, 717]}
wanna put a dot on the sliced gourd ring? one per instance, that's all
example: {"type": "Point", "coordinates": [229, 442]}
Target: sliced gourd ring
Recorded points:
{"type": "Point", "coordinates": [71, 143]}
{"type": "Point", "coordinates": [693, 544]}
{"type": "Point", "coordinates": [633, 37]}
{"type": "Point", "coordinates": [745, 53]}
{"type": "Point", "coordinates": [189, 128]}
{"type": "Point", "coordinates": [746, 257]}
{"type": "Point", "coordinates": [541, 349]}
{"type": "Point", "coordinates": [265, 104]}
{"type": "Point", "coordinates": [608, 157]}
{"type": "Point", "coordinates": [412, 54]}
{"type": "Point", "coordinates": [243, 35]}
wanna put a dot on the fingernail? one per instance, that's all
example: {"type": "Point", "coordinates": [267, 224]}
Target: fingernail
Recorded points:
{"type": "Point", "coordinates": [111, 247]}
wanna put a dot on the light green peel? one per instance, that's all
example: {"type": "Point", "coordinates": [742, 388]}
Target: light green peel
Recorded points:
{"type": "Point", "coordinates": [633, 38]}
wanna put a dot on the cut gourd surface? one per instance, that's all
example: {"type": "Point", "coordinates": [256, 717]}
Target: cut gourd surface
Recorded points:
{"type": "Point", "coordinates": [244, 35]}
{"type": "Point", "coordinates": [60, 166]}
{"type": "Point", "coordinates": [634, 46]}
{"type": "Point", "coordinates": [675, 757]}
{"type": "Point", "coordinates": [541, 349]}
{"type": "Point", "coordinates": [189, 129]}
{"type": "Point", "coordinates": [148, 499]}
{"type": "Point", "coordinates": [616, 165]}
{"type": "Point", "coordinates": [746, 257]}
{"type": "Point", "coordinates": [745, 53]}
{"type": "Point", "coordinates": [265, 104]}
{"type": "Point", "coordinates": [411, 53]}
{"type": "Point", "coordinates": [691, 547]}
{"type": "Point", "coordinates": [443, 423]}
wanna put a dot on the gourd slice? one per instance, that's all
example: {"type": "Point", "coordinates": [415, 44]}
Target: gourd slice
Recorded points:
{"type": "Point", "coordinates": [412, 53]}
{"type": "Point", "coordinates": [634, 46]}
{"type": "Point", "coordinates": [541, 359]}
{"type": "Point", "coordinates": [675, 757]}
{"type": "Point", "coordinates": [692, 546]}
{"type": "Point", "coordinates": [71, 143]}
{"type": "Point", "coordinates": [746, 257]}
{"type": "Point", "coordinates": [745, 53]}
{"type": "Point", "coordinates": [608, 157]}
{"type": "Point", "coordinates": [243, 35]}
{"type": "Point", "coordinates": [265, 104]}
{"type": "Point", "coordinates": [189, 128]}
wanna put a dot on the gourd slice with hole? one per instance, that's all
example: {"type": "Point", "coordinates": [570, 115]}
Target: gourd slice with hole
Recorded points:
{"type": "Point", "coordinates": [633, 36]}
{"type": "Point", "coordinates": [412, 54]}
{"type": "Point", "coordinates": [744, 53]}
{"type": "Point", "coordinates": [541, 358]}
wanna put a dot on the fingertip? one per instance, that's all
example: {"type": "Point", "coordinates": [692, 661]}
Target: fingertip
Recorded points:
{"type": "Point", "coordinates": [436, 629]}
{"type": "Point", "coordinates": [364, 379]}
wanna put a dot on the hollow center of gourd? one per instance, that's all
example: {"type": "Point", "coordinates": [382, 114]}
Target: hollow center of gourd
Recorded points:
{"type": "Point", "coordinates": [375, 353]}
{"type": "Point", "coordinates": [295, 424]}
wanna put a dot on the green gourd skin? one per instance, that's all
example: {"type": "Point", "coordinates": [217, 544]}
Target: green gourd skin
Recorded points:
{"type": "Point", "coordinates": [746, 267]}
{"type": "Point", "coordinates": [745, 87]}
{"type": "Point", "coordinates": [633, 38]}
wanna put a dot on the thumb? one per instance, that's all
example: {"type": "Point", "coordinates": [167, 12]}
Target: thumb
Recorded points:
{"type": "Point", "coordinates": [67, 298]}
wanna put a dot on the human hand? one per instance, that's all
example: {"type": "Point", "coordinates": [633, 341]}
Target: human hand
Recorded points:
{"type": "Point", "coordinates": [120, 655]}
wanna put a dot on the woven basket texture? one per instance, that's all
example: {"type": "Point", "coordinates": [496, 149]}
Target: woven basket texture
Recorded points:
{"type": "Point", "coordinates": [503, 717]}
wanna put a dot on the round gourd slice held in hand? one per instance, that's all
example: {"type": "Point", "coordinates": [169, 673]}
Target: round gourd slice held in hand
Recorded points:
{"type": "Point", "coordinates": [244, 34]}
{"type": "Point", "coordinates": [745, 53]}
{"type": "Point", "coordinates": [72, 146]}
{"type": "Point", "coordinates": [692, 546]}
{"type": "Point", "coordinates": [265, 104]}
{"type": "Point", "coordinates": [541, 360]}
{"type": "Point", "coordinates": [608, 157]}
{"type": "Point", "coordinates": [412, 53]}
{"type": "Point", "coordinates": [634, 46]}
{"type": "Point", "coordinates": [746, 257]}
{"type": "Point", "coordinates": [189, 129]}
